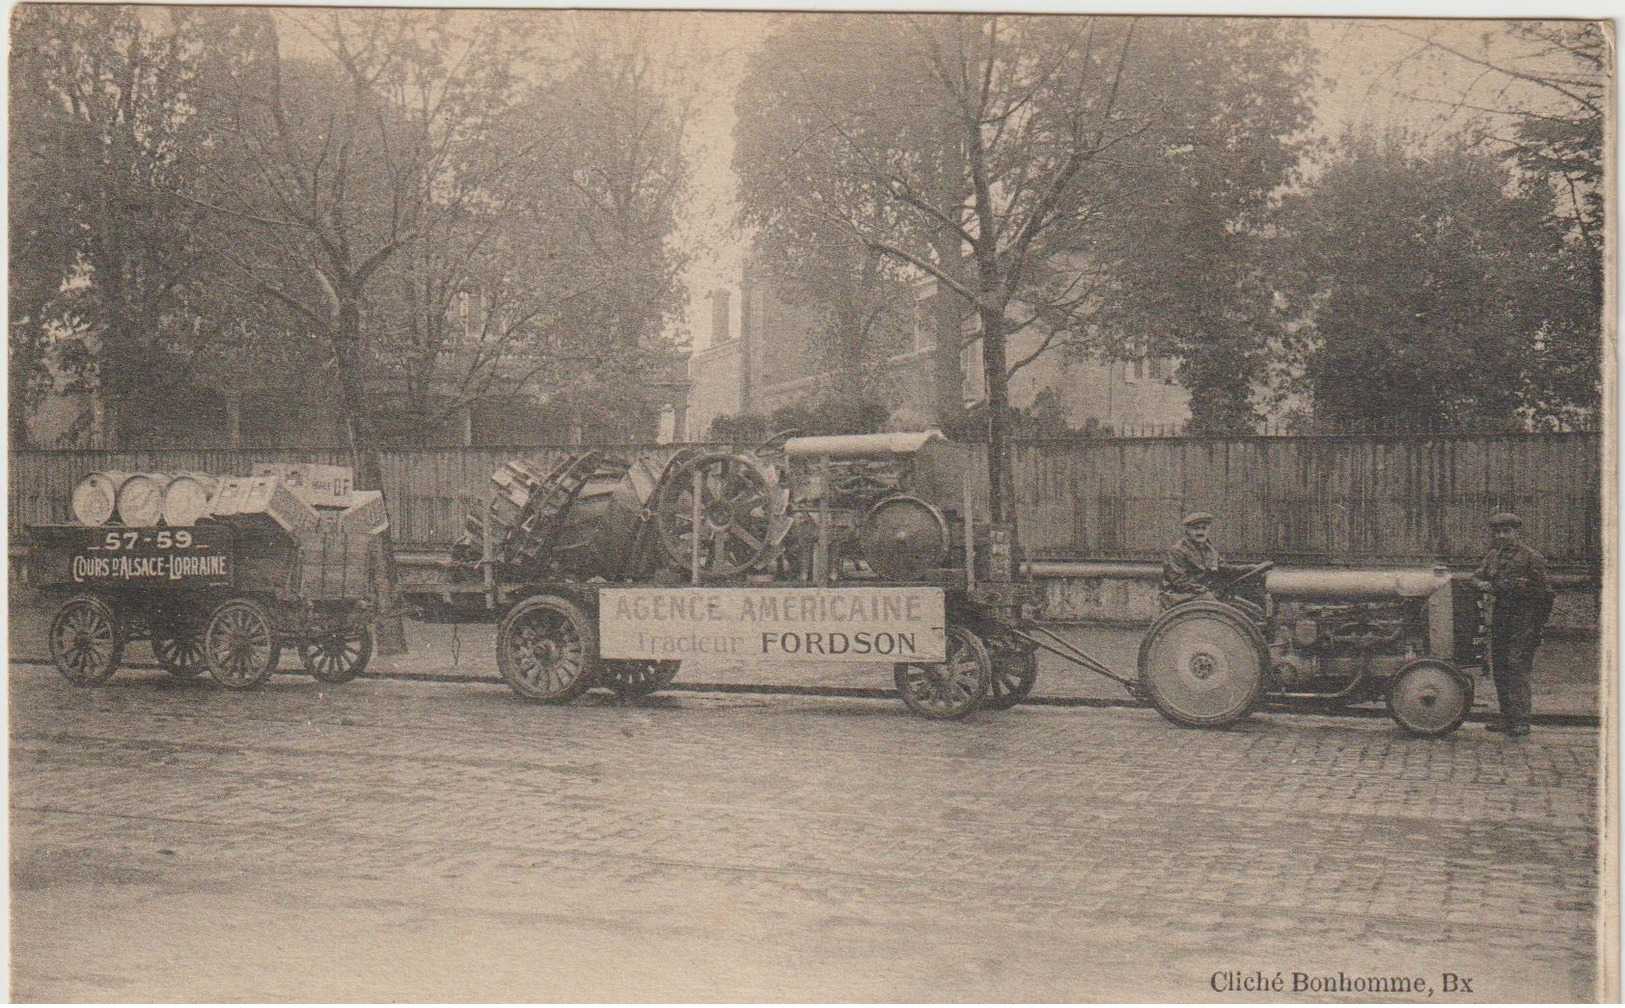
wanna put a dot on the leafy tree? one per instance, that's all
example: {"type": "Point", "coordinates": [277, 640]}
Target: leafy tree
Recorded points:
{"type": "Point", "coordinates": [109, 281]}
{"type": "Point", "coordinates": [1423, 278]}
{"type": "Point", "coordinates": [1539, 95]}
{"type": "Point", "coordinates": [1004, 156]}
{"type": "Point", "coordinates": [554, 272]}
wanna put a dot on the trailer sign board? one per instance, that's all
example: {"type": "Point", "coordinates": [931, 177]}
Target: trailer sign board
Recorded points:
{"type": "Point", "coordinates": [111, 556]}
{"type": "Point", "coordinates": [889, 624]}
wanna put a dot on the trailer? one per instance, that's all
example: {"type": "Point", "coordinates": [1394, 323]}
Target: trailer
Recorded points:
{"type": "Point", "coordinates": [609, 572]}
{"type": "Point", "coordinates": [224, 595]}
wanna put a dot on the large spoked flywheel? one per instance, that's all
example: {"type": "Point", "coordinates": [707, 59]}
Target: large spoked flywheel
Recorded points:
{"type": "Point", "coordinates": [1202, 664]}
{"type": "Point", "coordinates": [741, 514]}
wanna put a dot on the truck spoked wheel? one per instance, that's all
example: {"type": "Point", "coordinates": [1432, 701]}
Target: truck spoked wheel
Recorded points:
{"type": "Point", "coordinates": [86, 640]}
{"type": "Point", "coordinates": [1429, 698]}
{"type": "Point", "coordinates": [339, 655]}
{"type": "Point", "coordinates": [948, 689]}
{"type": "Point", "coordinates": [240, 644]}
{"type": "Point", "coordinates": [1202, 664]}
{"type": "Point", "coordinates": [547, 649]}
{"type": "Point", "coordinates": [635, 677]}
{"type": "Point", "coordinates": [1015, 671]}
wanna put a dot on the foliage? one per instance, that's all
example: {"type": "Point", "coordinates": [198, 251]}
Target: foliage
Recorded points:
{"type": "Point", "coordinates": [832, 415]}
{"type": "Point", "coordinates": [109, 282]}
{"type": "Point", "coordinates": [1013, 159]}
{"type": "Point", "coordinates": [1427, 283]}
{"type": "Point", "coordinates": [324, 191]}
{"type": "Point", "coordinates": [1548, 97]}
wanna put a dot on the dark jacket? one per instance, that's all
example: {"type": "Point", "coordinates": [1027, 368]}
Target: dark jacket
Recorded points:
{"type": "Point", "coordinates": [1517, 576]}
{"type": "Point", "coordinates": [1190, 568]}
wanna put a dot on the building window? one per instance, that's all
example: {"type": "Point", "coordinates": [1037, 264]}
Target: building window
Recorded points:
{"type": "Point", "coordinates": [459, 307]}
{"type": "Point", "coordinates": [721, 332]}
{"type": "Point", "coordinates": [923, 321]}
{"type": "Point", "coordinates": [973, 379]}
{"type": "Point", "coordinates": [1157, 368]}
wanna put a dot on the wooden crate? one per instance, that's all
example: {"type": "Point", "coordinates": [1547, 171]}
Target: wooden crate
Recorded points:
{"type": "Point", "coordinates": [317, 485]}
{"type": "Point", "coordinates": [263, 495]}
{"type": "Point", "coordinates": [335, 563]}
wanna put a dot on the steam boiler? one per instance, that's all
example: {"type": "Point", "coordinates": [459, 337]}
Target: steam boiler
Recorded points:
{"type": "Point", "coordinates": [1320, 638]}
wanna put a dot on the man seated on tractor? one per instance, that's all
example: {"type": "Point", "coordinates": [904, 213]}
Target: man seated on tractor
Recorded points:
{"type": "Point", "coordinates": [1191, 570]}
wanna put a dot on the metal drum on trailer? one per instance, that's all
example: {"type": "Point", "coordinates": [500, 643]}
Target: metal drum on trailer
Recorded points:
{"type": "Point", "coordinates": [141, 499]}
{"type": "Point", "coordinates": [186, 498]}
{"type": "Point", "coordinates": [95, 497]}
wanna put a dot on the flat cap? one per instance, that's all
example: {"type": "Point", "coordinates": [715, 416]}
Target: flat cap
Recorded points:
{"type": "Point", "coordinates": [1504, 519]}
{"type": "Point", "coordinates": [1197, 518]}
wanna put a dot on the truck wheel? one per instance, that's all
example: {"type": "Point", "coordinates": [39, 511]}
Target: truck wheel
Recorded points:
{"type": "Point", "coordinates": [86, 640]}
{"type": "Point", "coordinates": [948, 689]}
{"type": "Point", "coordinates": [636, 677]}
{"type": "Point", "coordinates": [338, 655]}
{"type": "Point", "coordinates": [1202, 664]}
{"type": "Point", "coordinates": [547, 649]}
{"type": "Point", "coordinates": [240, 644]}
{"type": "Point", "coordinates": [1015, 671]}
{"type": "Point", "coordinates": [1429, 698]}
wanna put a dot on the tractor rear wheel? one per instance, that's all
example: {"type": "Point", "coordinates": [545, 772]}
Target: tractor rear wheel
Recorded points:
{"type": "Point", "coordinates": [1202, 664]}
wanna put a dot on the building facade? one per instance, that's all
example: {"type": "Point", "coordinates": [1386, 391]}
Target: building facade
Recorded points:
{"type": "Point", "coordinates": [762, 353]}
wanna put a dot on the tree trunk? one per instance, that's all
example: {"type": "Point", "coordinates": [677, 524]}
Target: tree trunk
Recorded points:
{"type": "Point", "coordinates": [996, 375]}
{"type": "Point", "coordinates": [391, 630]}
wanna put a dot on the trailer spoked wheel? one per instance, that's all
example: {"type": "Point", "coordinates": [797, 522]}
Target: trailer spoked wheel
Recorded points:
{"type": "Point", "coordinates": [240, 644]}
{"type": "Point", "coordinates": [1202, 664]}
{"type": "Point", "coordinates": [86, 640]}
{"type": "Point", "coordinates": [337, 655]}
{"type": "Point", "coordinates": [636, 677]}
{"type": "Point", "coordinates": [547, 649]}
{"type": "Point", "coordinates": [180, 654]}
{"type": "Point", "coordinates": [177, 642]}
{"type": "Point", "coordinates": [948, 689]}
{"type": "Point", "coordinates": [1429, 697]}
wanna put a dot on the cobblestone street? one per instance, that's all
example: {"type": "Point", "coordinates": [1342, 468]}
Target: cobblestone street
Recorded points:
{"type": "Point", "coordinates": [394, 839]}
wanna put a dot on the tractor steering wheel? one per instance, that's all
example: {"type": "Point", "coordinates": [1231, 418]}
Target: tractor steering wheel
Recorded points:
{"type": "Point", "coordinates": [1253, 571]}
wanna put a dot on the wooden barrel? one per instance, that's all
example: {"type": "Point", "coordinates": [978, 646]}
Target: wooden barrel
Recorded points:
{"type": "Point", "coordinates": [186, 498]}
{"type": "Point", "coordinates": [141, 499]}
{"type": "Point", "coordinates": [95, 497]}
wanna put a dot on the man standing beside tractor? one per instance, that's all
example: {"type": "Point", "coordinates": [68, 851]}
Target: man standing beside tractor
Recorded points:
{"type": "Point", "coordinates": [1516, 576]}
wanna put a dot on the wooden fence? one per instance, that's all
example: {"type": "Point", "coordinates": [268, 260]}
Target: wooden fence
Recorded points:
{"type": "Point", "coordinates": [1308, 499]}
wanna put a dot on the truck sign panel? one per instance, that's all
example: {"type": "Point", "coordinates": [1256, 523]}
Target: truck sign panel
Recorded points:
{"type": "Point", "coordinates": [895, 624]}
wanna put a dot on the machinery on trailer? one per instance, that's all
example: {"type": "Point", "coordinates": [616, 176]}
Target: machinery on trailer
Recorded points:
{"type": "Point", "coordinates": [284, 558]}
{"type": "Point", "coordinates": [605, 571]}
